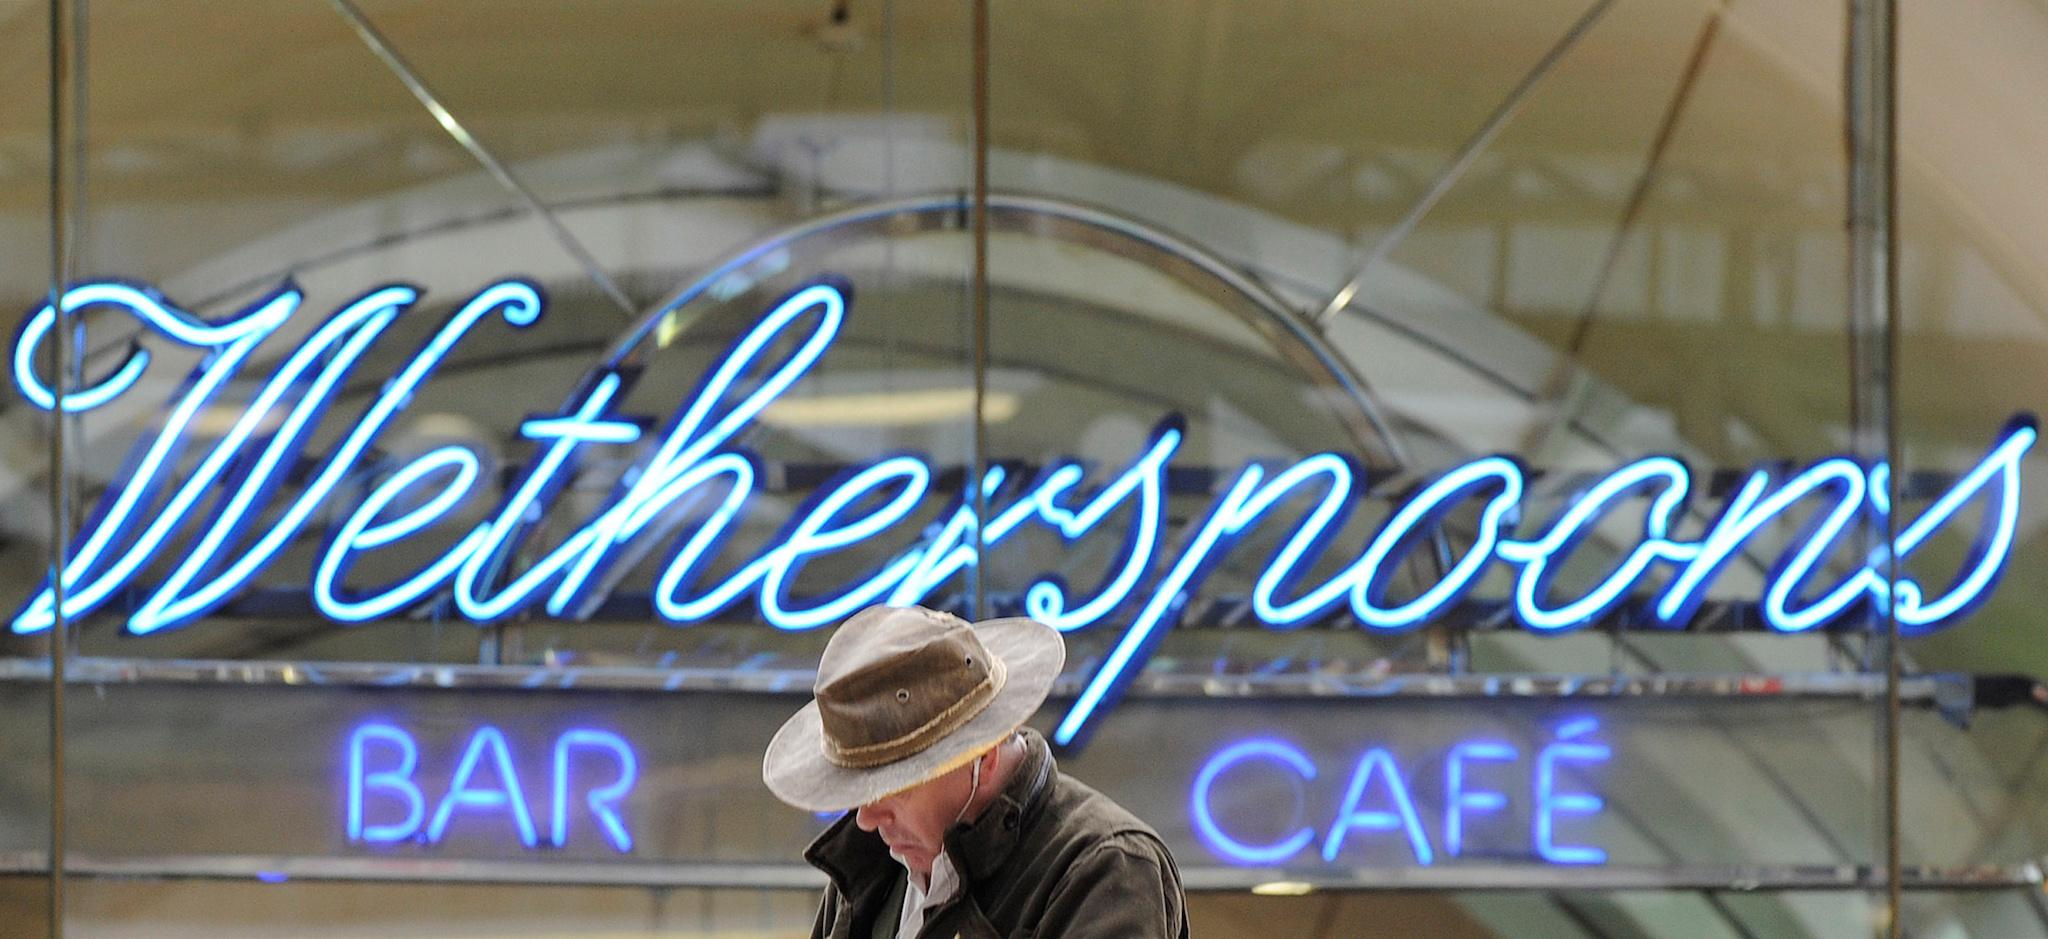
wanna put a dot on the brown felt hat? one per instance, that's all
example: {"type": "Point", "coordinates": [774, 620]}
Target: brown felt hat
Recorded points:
{"type": "Point", "coordinates": [904, 695]}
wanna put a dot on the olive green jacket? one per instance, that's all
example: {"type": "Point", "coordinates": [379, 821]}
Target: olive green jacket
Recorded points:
{"type": "Point", "coordinates": [1049, 858]}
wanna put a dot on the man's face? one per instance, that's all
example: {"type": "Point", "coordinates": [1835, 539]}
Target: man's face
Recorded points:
{"type": "Point", "coordinates": [914, 822]}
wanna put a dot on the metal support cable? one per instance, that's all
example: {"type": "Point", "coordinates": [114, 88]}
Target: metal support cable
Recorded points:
{"type": "Point", "coordinates": [1871, 126]}
{"type": "Point", "coordinates": [383, 49]}
{"type": "Point", "coordinates": [66, 29]}
{"type": "Point", "coordinates": [978, 213]}
{"type": "Point", "coordinates": [1473, 146]}
{"type": "Point", "coordinates": [1632, 209]}
{"type": "Point", "coordinates": [1448, 646]}
{"type": "Point", "coordinates": [1568, 386]}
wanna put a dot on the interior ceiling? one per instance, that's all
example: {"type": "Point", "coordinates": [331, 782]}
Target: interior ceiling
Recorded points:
{"type": "Point", "coordinates": [1190, 92]}
{"type": "Point", "coordinates": [1334, 114]}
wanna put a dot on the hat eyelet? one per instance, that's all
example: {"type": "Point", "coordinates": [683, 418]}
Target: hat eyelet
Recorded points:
{"type": "Point", "coordinates": [903, 696]}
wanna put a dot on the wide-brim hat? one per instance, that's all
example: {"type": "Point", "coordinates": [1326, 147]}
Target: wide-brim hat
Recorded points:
{"type": "Point", "coordinates": [905, 695]}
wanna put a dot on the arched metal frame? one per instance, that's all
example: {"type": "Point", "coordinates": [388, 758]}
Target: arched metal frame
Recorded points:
{"type": "Point", "coordinates": [1293, 335]}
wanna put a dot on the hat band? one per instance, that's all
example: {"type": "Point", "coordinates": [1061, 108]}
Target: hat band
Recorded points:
{"type": "Point", "coordinates": [945, 722]}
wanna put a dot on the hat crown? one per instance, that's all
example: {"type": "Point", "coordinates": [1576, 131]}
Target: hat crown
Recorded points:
{"type": "Point", "coordinates": [894, 680]}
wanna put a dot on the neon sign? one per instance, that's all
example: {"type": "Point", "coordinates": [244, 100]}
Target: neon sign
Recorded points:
{"type": "Point", "coordinates": [381, 768]}
{"type": "Point", "coordinates": [692, 460]}
{"type": "Point", "coordinates": [1481, 780]}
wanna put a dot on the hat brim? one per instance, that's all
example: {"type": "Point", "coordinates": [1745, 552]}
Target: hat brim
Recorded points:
{"type": "Point", "coordinates": [797, 772]}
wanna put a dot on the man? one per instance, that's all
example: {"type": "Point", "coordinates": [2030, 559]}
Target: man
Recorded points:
{"type": "Point", "coordinates": [962, 826]}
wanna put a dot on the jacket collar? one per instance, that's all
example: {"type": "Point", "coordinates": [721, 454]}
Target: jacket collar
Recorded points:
{"type": "Point", "coordinates": [981, 848]}
{"type": "Point", "coordinates": [856, 859]}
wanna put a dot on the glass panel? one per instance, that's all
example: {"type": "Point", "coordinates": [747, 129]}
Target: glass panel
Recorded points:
{"type": "Point", "coordinates": [25, 905]}
{"type": "Point", "coordinates": [423, 911]}
{"type": "Point", "coordinates": [29, 545]}
{"type": "Point", "coordinates": [328, 293]}
{"type": "Point", "coordinates": [1977, 914]}
{"type": "Point", "coordinates": [317, 909]}
{"type": "Point", "coordinates": [1577, 235]}
{"type": "Point", "coordinates": [1973, 337]}
{"type": "Point", "coordinates": [369, 774]}
{"type": "Point", "coordinates": [216, 174]}
{"type": "Point", "coordinates": [722, 156]}
{"type": "Point", "coordinates": [392, 151]}
{"type": "Point", "coordinates": [1581, 914]}
{"type": "Point", "coordinates": [1823, 915]}
{"type": "Point", "coordinates": [1975, 782]}
{"type": "Point", "coordinates": [1362, 915]}
{"type": "Point", "coordinates": [1599, 282]}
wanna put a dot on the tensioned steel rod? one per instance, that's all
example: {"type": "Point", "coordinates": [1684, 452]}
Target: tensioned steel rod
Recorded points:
{"type": "Point", "coordinates": [1448, 646]}
{"type": "Point", "coordinates": [1566, 386]}
{"type": "Point", "coordinates": [410, 77]}
{"type": "Point", "coordinates": [978, 212]}
{"type": "Point", "coordinates": [1571, 375]}
{"type": "Point", "coordinates": [63, 124]}
{"type": "Point", "coordinates": [1638, 196]}
{"type": "Point", "coordinates": [1870, 96]}
{"type": "Point", "coordinates": [1455, 170]}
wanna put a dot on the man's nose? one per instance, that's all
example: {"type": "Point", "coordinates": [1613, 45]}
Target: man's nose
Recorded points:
{"type": "Point", "coordinates": [869, 816]}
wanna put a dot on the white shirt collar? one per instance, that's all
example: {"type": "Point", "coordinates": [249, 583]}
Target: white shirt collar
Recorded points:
{"type": "Point", "coordinates": [945, 885]}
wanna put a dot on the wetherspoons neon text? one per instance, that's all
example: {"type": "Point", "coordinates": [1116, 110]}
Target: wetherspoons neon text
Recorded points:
{"type": "Point", "coordinates": [202, 523]}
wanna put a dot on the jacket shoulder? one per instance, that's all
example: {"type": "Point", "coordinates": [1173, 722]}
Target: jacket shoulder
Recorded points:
{"type": "Point", "coordinates": [1076, 819]}
{"type": "Point", "coordinates": [1079, 806]}
{"type": "Point", "coordinates": [1109, 874]}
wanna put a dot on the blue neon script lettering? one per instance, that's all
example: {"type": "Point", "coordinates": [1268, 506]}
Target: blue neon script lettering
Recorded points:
{"type": "Point", "coordinates": [1378, 800]}
{"type": "Point", "coordinates": [1995, 482]}
{"type": "Point", "coordinates": [689, 480]}
{"type": "Point", "coordinates": [382, 768]}
{"type": "Point", "coordinates": [342, 340]}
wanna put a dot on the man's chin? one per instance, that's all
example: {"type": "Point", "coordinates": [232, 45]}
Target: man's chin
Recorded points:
{"type": "Point", "coordinates": [921, 864]}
